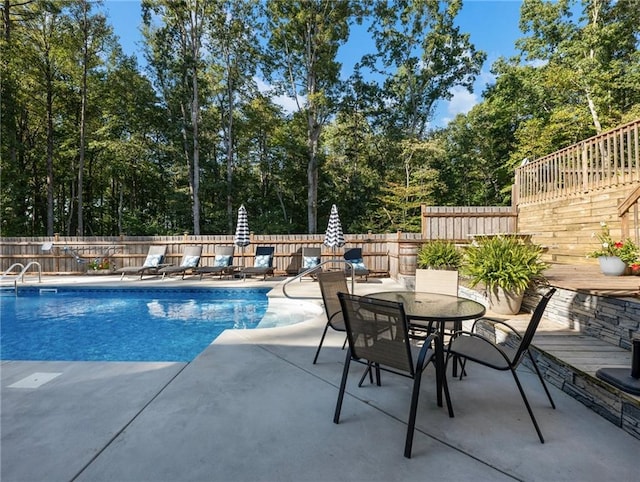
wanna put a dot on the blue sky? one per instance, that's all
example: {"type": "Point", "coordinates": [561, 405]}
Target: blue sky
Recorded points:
{"type": "Point", "coordinates": [492, 24]}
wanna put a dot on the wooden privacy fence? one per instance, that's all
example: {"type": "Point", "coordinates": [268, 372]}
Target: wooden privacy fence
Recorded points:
{"type": "Point", "coordinates": [384, 254]}
{"type": "Point", "coordinates": [604, 161]}
{"type": "Point", "coordinates": [460, 224]}
{"type": "Point", "coordinates": [71, 255]}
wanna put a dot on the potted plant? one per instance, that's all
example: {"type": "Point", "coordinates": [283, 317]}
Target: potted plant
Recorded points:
{"type": "Point", "coordinates": [99, 266]}
{"type": "Point", "coordinates": [506, 266]}
{"type": "Point", "coordinates": [613, 256]}
{"type": "Point", "coordinates": [439, 254]}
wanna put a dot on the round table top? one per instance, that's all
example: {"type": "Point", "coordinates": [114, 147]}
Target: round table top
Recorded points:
{"type": "Point", "coordinates": [421, 305]}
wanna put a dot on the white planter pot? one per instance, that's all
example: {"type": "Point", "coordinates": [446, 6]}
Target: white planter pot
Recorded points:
{"type": "Point", "coordinates": [505, 303]}
{"type": "Point", "coordinates": [612, 265]}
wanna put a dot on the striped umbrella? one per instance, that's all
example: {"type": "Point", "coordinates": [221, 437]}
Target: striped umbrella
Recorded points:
{"type": "Point", "coordinates": [242, 228]}
{"type": "Point", "coordinates": [334, 237]}
{"type": "Point", "coordinates": [242, 231]}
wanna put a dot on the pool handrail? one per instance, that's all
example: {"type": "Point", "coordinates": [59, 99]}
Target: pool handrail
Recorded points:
{"type": "Point", "coordinates": [312, 269]}
{"type": "Point", "coordinates": [20, 276]}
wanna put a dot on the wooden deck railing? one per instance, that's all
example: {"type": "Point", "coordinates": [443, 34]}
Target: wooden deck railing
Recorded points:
{"type": "Point", "coordinates": [603, 161]}
{"type": "Point", "coordinates": [628, 213]}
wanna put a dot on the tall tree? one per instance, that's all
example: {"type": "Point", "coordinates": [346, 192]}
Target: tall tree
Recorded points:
{"type": "Point", "coordinates": [595, 56]}
{"type": "Point", "coordinates": [233, 49]}
{"type": "Point", "coordinates": [175, 33]}
{"type": "Point", "coordinates": [90, 33]}
{"type": "Point", "coordinates": [304, 36]}
{"type": "Point", "coordinates": [420, 57]}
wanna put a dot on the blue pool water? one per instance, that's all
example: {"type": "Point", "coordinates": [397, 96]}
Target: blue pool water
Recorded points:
{"type": "Point", "coordinates": [100, 324]}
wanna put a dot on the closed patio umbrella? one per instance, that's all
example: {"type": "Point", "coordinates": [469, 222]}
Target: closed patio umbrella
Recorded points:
{"type": "Point", "coordinates": [334, 237]}
{"type": "Point", "coordinates": [242, 230]}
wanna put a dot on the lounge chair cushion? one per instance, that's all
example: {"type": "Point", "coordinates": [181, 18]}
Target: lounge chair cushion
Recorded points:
{"type": "Point", "coordinates": [152, 261]}
{"type": "Point", "coordinates": [358, 263]}
{"type": "Point", "coordinates": [190, 262]}
{"type": "Point", "coordinates": [262, 261]}
{"type": "Point", "coordinates": [310, 262]}
{"type": "Point", "coordinates": [222, 260]}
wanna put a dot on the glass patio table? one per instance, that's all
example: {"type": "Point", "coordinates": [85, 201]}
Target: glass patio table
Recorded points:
{"type": "Point", "coordinates": [426, 309]}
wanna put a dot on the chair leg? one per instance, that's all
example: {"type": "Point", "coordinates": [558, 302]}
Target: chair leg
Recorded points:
{"type": "Point", "coordinates": [343, 384]}
{"type": "Point", "coordinates": [411, 424]}
{"type": "Point", "coordinates": [367, 371]}
{"type": "Point", "coordinates": [526, 402]}
{"type": "Point", "coordinates": [441, 380]}
{"type": "Point", "coordinates": [447, 397]}
{"type": "Point", "coordinates": [324, 333]}
{"type": "Point", "coordinates": [544, 385]}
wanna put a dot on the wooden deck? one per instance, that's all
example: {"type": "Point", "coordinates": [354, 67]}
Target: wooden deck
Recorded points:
{"type": "Point", "coordinates": [589, 279]}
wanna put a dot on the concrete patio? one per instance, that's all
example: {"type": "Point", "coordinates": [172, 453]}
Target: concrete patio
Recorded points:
{"type": "Point", "coordinates": [252, 406]}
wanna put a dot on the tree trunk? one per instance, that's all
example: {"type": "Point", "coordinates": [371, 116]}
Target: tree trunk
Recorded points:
{"type": "Point", "coordinates": [83, 121]}
{"type": "Point", "coordinates": [195, 107]}
{"type": "Point", "coordinates": [50, 218]}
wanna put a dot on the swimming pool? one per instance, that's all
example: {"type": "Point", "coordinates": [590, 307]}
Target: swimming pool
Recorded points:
{"type": "Point", "coordinates": [112, 324]}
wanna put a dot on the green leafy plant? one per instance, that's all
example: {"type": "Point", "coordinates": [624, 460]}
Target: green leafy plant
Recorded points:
{"type": "Point", "coordinates": [439, 254]}
{"type": "Point", "coordinates": [626, 250]}
{"type": "Point", "coordinates": [506, 262]}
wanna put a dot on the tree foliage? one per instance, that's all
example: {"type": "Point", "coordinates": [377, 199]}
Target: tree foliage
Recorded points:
{"type": "Point", "coordinates": [93, 143]}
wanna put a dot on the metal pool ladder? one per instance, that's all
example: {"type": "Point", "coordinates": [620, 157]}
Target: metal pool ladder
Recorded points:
{"type": "Point", "coordinates": [13, 279]}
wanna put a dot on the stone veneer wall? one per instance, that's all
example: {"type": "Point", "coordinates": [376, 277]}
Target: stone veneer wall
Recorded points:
{"type": "Point", "coordinates": [614, 320]}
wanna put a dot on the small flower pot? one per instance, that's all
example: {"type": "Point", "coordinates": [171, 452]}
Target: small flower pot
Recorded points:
{"type": "Point", "coordinates": [612, 265]}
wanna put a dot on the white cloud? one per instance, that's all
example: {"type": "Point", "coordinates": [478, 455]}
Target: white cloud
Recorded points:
{"type": "Point", "coordinates": [461, 103]}
{"type": "Point", "coordinates": [287, 103]}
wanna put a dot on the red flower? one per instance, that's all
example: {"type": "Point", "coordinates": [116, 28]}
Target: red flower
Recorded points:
{"type": "Point", "coordinates": [619, 245]}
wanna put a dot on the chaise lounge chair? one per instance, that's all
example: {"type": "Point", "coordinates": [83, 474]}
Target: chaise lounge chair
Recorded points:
{"type": "Point", "coordinates": [263, 263]}
{"type": "Point", "coordinates": [189, 262]}
{"type": "Point", "coordinates": [153, 262]}
{"type": "Point", "coordinates": [222, 264]}
{"type": "Point", "coordinates": [310, 260]}
{"type": "Point", "coordinates": [354, 258]}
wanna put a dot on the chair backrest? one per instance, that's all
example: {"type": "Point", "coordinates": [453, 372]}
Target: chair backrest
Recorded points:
{"type": "Point", "coordinates": [533, 325]}
{"type": "Point", "coordinates": [263, 251]}
{"type": "Point", "coordinates": [224, 256]}
{"type": "Point", "coordinates": [440, 281]}
{"type": "Point", "coordinates": [377, 331]}
{"type": "Point", "coordinates": [310, 257]}
{"type": "Point", "coordinates": [155, 256]}
{"type": "Point", "coordinates": [191, 256]}
{"type": "Point", "coordinates": [353, 253]}
{"type": "Point", "coordinates": [332, 283]}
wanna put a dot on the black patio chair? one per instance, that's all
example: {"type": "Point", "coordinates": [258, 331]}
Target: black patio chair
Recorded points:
{"type": "Point", "coordinates": [354, 260]}
{"type": "Point", "coordinates": [332, 283]}
{"type": "Point", "coordinates": [378, 334]}
{"type": "Point", "coordinates": [470, 345]}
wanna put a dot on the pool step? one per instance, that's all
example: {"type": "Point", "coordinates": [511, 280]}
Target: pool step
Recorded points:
{"type": "Point", "coordinates": [48, 291]}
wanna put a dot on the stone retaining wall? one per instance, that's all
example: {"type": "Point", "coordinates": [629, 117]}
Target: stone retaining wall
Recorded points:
{"type": "Point", "coordinates": [614, 320]}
